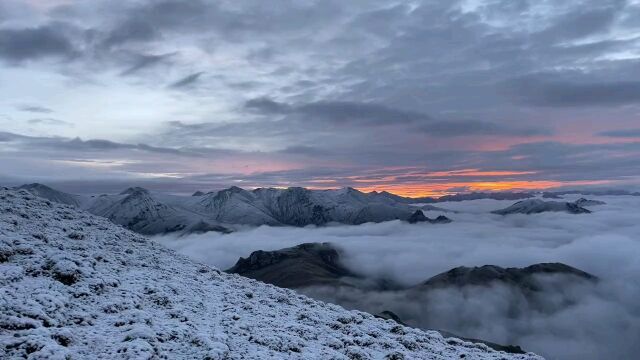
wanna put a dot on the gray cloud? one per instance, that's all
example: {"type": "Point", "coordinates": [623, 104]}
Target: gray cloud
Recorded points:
{"type": "Point", "coordinates": [186, 81]}
{"type": "Point", "coordinates": [35, 109]}
{"type": "Point", "coordinates": [359, 85]}
{"type": "Point", "coordinates": [132, 30]}
{"type": "Point", "coordinates": [77, 144]}
{"type": "Point", "coordinates": [626, 133]}
{"type": "Point", "coordinates": [17, 45]}
{"type": "Point", "coordinates": [547, 92]}
{"type": "Point", "coordinates": [143, 61]}
{"type": "Point", "coordinates": [468, 127]}
{"type": "Point", "coordinates": [49, 121]}
{"type": "Point", "coordinates": [578, 24]}
{"type": "Point", "coordinates": [371, 114]}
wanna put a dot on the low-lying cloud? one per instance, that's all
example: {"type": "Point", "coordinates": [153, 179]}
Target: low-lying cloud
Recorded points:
{"type": "Point", "coordinates": [582, 321]}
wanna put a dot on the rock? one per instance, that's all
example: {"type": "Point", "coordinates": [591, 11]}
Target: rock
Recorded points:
{"type": "Point", "coordinates": [588, 202]}
{"type": "Point", "coordinates": [418, 216]}
{"type": "Point", "coordinates": [304, 265]}
{"type": "Point", "coordinates": [522, 278]}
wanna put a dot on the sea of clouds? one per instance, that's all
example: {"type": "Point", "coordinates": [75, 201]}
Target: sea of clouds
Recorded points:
{"type": "Point", "coordinates": [570, 320]}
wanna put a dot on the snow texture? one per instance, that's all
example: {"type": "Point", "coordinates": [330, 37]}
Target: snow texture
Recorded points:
{"type": "Point", "coordinates": [76, 286]}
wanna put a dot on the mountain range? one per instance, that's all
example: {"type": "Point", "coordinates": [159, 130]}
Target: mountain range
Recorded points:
{"type": "Point", "coordinates": [151, 213]}
{"type": "Point", "coordinates": [319, 264]}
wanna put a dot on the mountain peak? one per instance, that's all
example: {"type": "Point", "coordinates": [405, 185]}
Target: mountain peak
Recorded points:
{"type": "Point", "coordinates": [34, 186]}
{"type": "Point", "coordinates": [134, 190]}
{"type": "Point", "coordinates": [488, 274]}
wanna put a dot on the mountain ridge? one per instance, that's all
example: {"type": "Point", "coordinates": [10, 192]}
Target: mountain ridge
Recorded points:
{"type": "Point", "coordinates": [149, 213]}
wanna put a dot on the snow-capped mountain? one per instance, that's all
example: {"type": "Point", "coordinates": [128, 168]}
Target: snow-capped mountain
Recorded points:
{"type": "Point", "coordinates": [151, 213]}
{"type": "Point", "coordinates": [138, 210]}
{"type": "Point", "coordinates": [588, 202]}
{"type": "Point", "coordinates": [74, 285]}
{"type": "Point", "coordinates": [535, 206]}
{"type": "Point", "coordinates": [52, 194]}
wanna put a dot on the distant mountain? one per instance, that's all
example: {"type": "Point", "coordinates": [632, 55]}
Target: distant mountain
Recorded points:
{"type": "Point", "coordinates": [536, 206]}
{"type": "Point", "coordinates": [521, 278]}
{"type": "Point", "coordinates": [588, 202]}
{"type": "Point", "coordinates": [304, 265]}
{"type": "Point", "coordinates": [418, 216]}
{"type": "Point", "coordinates": [472, 196]}
{"type": "Point", "coordinates": [154, 213]}
{"type": "Point", "coordinates": [597, 192]}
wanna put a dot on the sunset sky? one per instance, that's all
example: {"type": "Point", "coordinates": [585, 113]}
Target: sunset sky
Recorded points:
{"type": "Point", "coordinates": [412, 97]}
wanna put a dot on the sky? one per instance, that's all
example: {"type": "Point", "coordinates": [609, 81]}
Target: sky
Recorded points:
{"type": "Point", "coordinates": [413, 97]}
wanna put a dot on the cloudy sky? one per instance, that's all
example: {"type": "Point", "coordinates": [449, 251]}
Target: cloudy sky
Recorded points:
{"type": "Point", "coordinates": [415, 97]}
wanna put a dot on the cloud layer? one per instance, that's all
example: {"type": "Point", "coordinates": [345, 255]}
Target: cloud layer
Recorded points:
{"type": "Point", "coordinates": [601, 322]}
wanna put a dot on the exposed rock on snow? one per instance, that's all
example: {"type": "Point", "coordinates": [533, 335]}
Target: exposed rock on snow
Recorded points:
{"type": "Point", "coordinates": [536, 206]}
{"type": "Point", "coordinates": [295, 267]}
{"type": "Point", "coordinates": [588, 202]}
{"type": "Point", "coordinates": [73, 285]}
{"type": "Point", "coordinates": [418, 216]}
{"type": "Point", "coordinates": [522, 278]}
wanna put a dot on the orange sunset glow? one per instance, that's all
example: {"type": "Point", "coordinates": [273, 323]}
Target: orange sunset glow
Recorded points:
{"type": "Point", "coordinates": [447, 188]}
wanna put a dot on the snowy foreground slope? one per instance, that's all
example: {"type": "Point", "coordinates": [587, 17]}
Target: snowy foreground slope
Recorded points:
{"type": "Point", "coordinates": [74, 285]}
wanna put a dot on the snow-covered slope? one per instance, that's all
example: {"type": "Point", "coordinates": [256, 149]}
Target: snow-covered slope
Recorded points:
{"type": "Point", "coordinates": [73, 285]}
{"type": "Point", "coordinates": [48, 193]}
{"type": "Point", "coordinates": [138, 210]}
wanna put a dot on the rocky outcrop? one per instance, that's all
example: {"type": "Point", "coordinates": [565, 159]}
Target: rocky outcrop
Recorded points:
{"type": "Point", "coordinates": [588, 202]}
{"type": "Point", "coordinates": [418, 216]}
{"type": "Point", "coordinates": [309, 264]}
{"type": "Point", "coordinates": [522, 278]}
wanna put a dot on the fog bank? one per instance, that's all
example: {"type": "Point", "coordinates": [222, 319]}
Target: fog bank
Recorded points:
{"type": "Point", "coordinates": [593, 321]}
